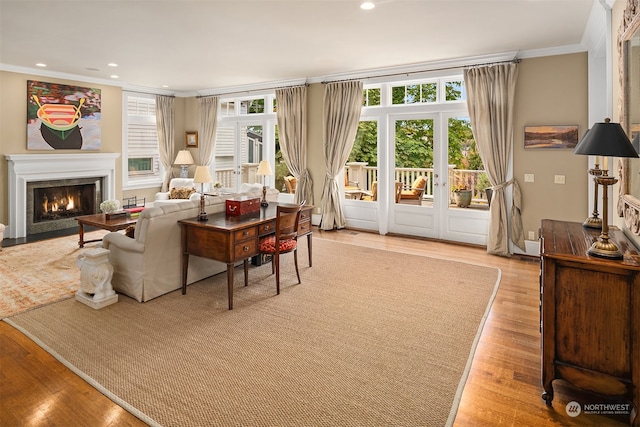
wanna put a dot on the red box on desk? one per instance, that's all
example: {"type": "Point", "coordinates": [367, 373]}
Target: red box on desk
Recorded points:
{"type": "Point", "coordinates": [243, 205]}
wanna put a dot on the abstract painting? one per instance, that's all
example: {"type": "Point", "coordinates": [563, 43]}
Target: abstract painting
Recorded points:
{"type": "Point", "coordinates": [63, 117]}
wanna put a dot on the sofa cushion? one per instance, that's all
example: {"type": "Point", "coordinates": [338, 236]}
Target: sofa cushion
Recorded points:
{"type": "Point", "coordinates": [181, 192]}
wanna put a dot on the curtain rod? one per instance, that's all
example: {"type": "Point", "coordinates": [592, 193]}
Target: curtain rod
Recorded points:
{"type": "Point", "coordinates": [253, 90]}
{"type": "Point", "coordinates": [147, 93]}
{"type": "Point", "coordinates": [408, 73]}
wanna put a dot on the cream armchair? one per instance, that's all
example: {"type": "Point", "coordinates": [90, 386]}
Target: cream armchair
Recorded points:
{"type": "Point", "coordinates": [175, 183]}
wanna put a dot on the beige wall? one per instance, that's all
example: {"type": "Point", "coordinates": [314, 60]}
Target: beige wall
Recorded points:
{"type": "Point", "coordinates": [551, 91]}
{"type": "Point", "coordinates": [13, 128]}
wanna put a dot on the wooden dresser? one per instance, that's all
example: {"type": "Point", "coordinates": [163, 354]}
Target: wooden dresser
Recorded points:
{"type": "Point", "coordinates": [589, 313]}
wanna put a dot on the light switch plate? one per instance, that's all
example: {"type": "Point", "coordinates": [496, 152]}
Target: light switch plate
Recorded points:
{"type": "Point", "coordinates": [529, 177]}
{"type": "Point", "coordinates": [558, 179]}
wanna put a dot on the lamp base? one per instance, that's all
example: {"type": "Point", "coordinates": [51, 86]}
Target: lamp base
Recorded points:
{"type": "Point", "coordinates": [593, 222]}
{"type": "Point", "coordinates": [605, 249]}
{"type": "Point", "coordinates": [264, 202]}
{"type": "Point", "coordinates": [184, 171]}
{"type": "Point", "coordinates": [202, 216]}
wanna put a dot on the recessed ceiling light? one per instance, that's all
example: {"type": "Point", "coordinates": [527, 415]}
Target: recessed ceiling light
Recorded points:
{"type": "Point", "coordinates": [40, 64]}
{"type": "Point", "coordinates": [113, 76]}
{"type": "Point", "coordinates": [367, 5]}
{"type": "Point", "coordinates": [165, 86]}
{"type": "Point", "coordinates": [112, 64]}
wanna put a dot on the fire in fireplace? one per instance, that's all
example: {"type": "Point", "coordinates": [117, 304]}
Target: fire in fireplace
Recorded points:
{"type": "Point", "coordinates": [52, 205]}
{"type": "Point", "coordinates": [66, 201]}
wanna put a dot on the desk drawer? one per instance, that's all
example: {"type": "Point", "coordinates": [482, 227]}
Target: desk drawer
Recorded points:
{"type": "Point", "coordinates": [247, 233]}
{"type": "Point", "coordinates": [246, 249]}
{"type": "Point", "coordinates": [268, 228]}
{"type": "Point", "coordinates": [304, 228]}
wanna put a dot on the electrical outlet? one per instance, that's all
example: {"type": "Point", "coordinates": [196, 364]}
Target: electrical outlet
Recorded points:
{"type": "Point", "coordinates": [558, 179]}
{"type": "Point", "coordinates": [532, 235]}
{"type": "Point", "coordinates": [529, 177]}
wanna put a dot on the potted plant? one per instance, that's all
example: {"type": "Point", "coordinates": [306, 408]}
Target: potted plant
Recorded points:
{"type": "Point", "coordinates": [462, 196]}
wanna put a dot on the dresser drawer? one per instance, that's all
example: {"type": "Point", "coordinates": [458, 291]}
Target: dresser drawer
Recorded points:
{"type": "Point", "coordinates": [246, 233]}
{"type": "Point", "coordinates": [246, 249]}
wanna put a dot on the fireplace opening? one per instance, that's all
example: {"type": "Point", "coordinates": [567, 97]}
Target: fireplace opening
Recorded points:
{"type": "Point", "coordinates": [53, 205]}
{"type": "Point", "coordinates": [65, 201]}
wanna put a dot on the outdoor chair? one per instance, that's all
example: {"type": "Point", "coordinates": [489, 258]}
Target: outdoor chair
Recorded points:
{"type": "Point", "coordinates": [414, 193]}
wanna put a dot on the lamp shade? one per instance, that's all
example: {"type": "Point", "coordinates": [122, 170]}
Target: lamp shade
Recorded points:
{"type": "Point", "coordinates": [264, 168]}
{"type": "Point", "coordinates": [183, 158]}
{"type": "Point", "coordinates": [636, 143]}
{"type": "Point", "coordinates": [202, 175]}
{"type": "Point", "coordinates": [606, 139]}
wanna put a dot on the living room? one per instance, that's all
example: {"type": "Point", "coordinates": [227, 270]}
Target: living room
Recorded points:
{"type": "Point", "coordinates": [567, 85]}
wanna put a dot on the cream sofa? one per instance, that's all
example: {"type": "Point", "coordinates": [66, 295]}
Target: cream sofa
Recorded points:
{"type": "Point", "coordinates": [148, 265]}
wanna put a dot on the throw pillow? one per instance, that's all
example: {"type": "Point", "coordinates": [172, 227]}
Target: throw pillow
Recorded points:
{"type": "Point", "coordinates": [181, 193]}
{"type": "Point", "coordinates": [130, 231]}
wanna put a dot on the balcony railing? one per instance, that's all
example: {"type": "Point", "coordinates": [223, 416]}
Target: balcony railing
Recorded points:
{"type": "Point", "coordinates": [469, 179]}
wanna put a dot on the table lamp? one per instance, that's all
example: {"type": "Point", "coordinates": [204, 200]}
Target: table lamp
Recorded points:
{"type": "Point", "coordinates": [202, 177]}
{"type": "Point", "coordinates": [264, 169]}
{"type": "Point", "coordinates": [605, 139]}
{"type": "Point", "coordinates": [183, 159]}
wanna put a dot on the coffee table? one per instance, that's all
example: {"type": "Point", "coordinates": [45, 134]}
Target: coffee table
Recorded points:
{"type": "Point", "coordinates": [100, 221]}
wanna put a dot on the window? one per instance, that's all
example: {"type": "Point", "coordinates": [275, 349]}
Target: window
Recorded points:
{"type": "Point", "coordinates": [141, 158]}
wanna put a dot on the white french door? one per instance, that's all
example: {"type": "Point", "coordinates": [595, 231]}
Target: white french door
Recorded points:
{"type": "Point", "coordinates": [419, 150]}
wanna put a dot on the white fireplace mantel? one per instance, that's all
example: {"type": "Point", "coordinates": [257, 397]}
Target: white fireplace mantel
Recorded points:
{"type": "Point", "coordinates": [24, 168]}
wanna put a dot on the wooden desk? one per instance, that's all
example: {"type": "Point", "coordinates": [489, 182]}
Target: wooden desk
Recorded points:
{"type": "Point", "coordinates": [100, 221]}
{"type": "Point", "coordinates": [231, 239]}
{"type": "Point", "coordinates": [589, 313]}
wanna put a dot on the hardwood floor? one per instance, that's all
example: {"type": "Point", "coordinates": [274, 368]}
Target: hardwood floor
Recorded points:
{"type": "Point", "coordinates": [503, 387]}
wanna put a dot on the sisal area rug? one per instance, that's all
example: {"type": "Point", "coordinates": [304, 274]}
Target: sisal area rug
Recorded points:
{"type": "Point", "coordinates": [370, 338]}
{"type": "Point", "coordinates": [39, 273]}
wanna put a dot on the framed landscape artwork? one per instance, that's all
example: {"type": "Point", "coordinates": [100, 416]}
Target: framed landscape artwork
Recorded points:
{"type": "Point", "coordinates": [551, 136]}
{"type": "Point", "coordinates": [63, 117]}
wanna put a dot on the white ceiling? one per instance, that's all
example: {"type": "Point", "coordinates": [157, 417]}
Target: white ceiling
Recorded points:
{"type": "Point", "coordinates": [194, 46]}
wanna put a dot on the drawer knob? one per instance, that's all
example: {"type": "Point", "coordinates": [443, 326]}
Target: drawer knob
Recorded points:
{"type": "Point", "coordinates": [245, 233]}
{"type": "Point", "coordinates": [266, 228]}
{"type": "Point", "coordinates": [246, 248]}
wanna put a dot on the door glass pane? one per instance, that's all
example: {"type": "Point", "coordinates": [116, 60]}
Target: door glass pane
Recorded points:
{"type": "Point", "coordinates": [414, 161]}
{"type": "Point", "coordinates": [251, 143]}
{"type": "Point", "coordinates": [224, 160]}
{"type": "Point", "coordinates": [361, 170]}
{"type": "Point", "coordinates": [467, 177]}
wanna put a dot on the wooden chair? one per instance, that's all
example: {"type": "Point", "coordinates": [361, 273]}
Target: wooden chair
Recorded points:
{"type": "Point", "coordinates": [290, 182]}
{"type": "Point", "coordinates": [374, 193]}
{"type": "Point", "coordinates": [284, 240]}
{"type": "Point", "coordinates": [414, 193]}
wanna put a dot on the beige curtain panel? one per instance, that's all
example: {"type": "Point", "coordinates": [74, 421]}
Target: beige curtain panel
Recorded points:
{"type": "Point", "coordinates": [165, 119]}
{"type": "Point", "coordinates": [342, 107]}
{"type": "Point", "coordinates": [292, 134]}
{"type": "Point", "coordinates": [207, 129]}
{"type": "Point", "coordinates": [490, 98]}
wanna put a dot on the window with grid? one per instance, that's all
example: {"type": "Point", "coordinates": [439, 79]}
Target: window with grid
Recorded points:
{"type": "Point", "coordinates": [141, 156]}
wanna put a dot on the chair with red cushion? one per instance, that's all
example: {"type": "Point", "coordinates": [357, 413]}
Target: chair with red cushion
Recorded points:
{"type": "Point", "coordinates": [284, 240]}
